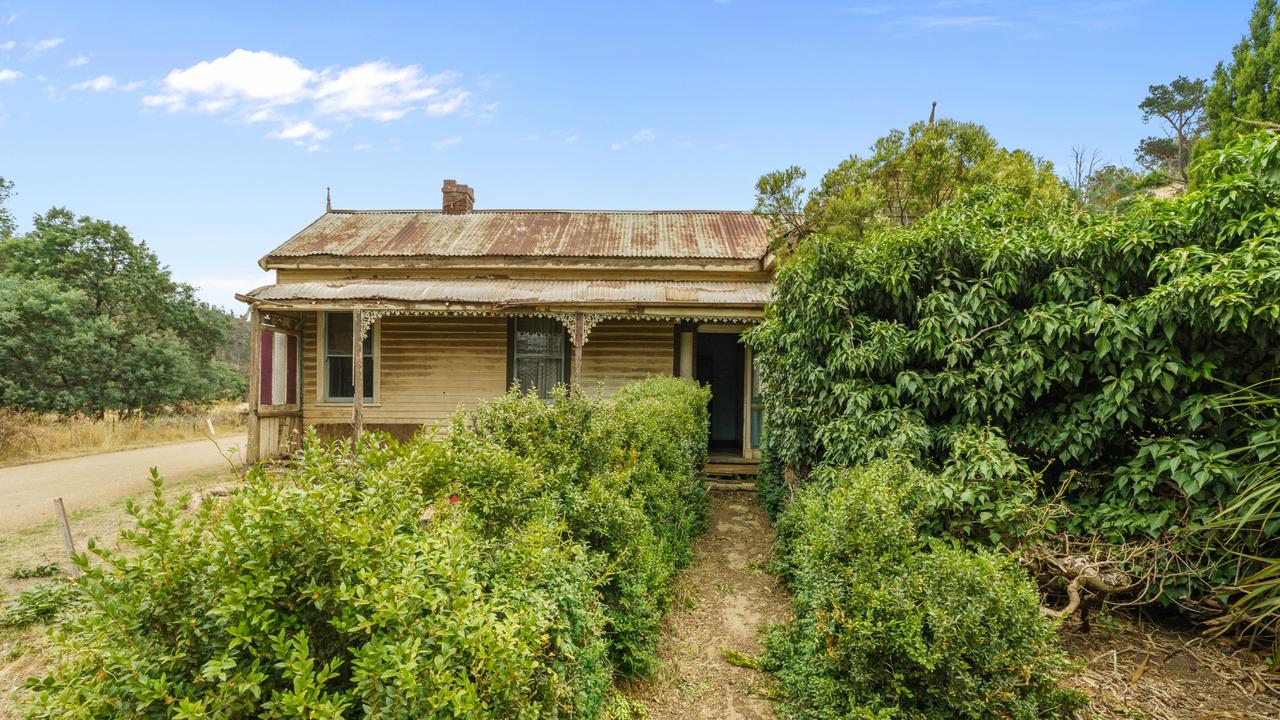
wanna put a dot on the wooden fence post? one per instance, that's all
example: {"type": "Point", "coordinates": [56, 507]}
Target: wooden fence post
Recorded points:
{"type": "Point", "coordinates": [61, 512]}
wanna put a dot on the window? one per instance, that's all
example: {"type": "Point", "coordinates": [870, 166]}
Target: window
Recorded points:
{"type": "Point", "coordinates": [537, 348]}
{"type": "Point", "coordinates": [337, 359]}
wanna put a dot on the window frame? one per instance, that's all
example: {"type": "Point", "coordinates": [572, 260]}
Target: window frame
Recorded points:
{"type": "Point", "coordinates": [565, 351]}
{"type": "Point", "coordinates": [322, 363]}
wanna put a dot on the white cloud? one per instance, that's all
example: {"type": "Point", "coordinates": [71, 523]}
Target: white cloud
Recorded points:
{"type": "Point", "coordinates": [40, 46]}
{"type": "Point", "coordinates": [377, 90]}
{"type": "Point", "coordinates": [102, 83]}
{"type": "Point", "coordinates": [641, 136]}
{"type": "Point", "coordinates": [362, 147]}
{"type": "Point", "coordinates": [446, 143]}
{"type": "Point", "coordinates": [450, 103]}
{"type": "Point", "coordinates": [261, 78]}
{"type": "Point", "coordinates": [78, 61]}
{"type": "Point", "coordinates": [8, 45]}
{"type": "Point", "coordinates": [486, 113]}
{"type": "Point", "coordinates": [301, 130]}
{"type": "Point", "coordinates": [7, 75]}
{"type": "Point", "coordinates": [257, 86]}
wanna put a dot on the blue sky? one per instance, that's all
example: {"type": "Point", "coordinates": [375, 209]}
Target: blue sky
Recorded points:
{"type": "Point", "coordinates": [211, 130]}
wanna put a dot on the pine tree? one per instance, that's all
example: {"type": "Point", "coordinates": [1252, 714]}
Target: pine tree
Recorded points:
{"type": "Point", "coordinates": [1245, 88]}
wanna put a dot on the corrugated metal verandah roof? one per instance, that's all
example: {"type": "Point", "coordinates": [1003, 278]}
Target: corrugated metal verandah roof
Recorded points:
{"type": "Point", "coordinates": [733, 235]}
{"type": "Point", "coordinates": [523, 293]}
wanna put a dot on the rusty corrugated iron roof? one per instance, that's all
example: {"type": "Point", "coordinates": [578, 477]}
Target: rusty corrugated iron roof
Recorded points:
{"type": "Point", "coordinates": [734, 235]}
{"type": "Point", "coordinates": [517, 293]}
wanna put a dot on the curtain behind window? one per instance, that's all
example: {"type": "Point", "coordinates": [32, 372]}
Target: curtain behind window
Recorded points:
{"type": "Point", "coordinates": [538, 355]}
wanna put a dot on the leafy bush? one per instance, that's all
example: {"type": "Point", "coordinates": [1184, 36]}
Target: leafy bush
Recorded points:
{"type": "Point", "coordinates": [1091, 347]}
{"type": "Point", "coordinates": [889, 626]}
{"type": "Point", "coordinates": [771, 487]}
{"type": "Point", "coordinates": [621, 474]}
{"type": "Point", "coordinates": [43, 570]}
{"type": "Point", "coordinates": [484, 575]}
{"type": "Point", "coordinates": [42, 603]}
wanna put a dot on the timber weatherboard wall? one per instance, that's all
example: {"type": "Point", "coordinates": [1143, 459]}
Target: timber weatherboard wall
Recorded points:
{"type": "Point", "coordinates": [426, 368]}
{"type": "Point", "coordinates": [619, 351]}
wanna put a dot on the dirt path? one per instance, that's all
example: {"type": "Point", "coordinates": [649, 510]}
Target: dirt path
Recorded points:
{"type": "Point", "coordinates": [721, 602]}
{"type": "Point", "coordinates": [27, 491]}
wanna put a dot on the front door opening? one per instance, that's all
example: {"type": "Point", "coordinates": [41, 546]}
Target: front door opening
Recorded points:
{"type": "Point", "coordinates": [720, 362]}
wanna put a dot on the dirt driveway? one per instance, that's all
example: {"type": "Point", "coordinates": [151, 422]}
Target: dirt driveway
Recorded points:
{"type": "Point", "coordinates": [27, 491]}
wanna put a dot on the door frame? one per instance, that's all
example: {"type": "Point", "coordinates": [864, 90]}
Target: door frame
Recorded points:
{"type": "Point", "coordinates": [685, 361]}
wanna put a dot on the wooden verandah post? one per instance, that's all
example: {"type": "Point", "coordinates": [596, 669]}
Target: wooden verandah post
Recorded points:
{"type": "Point", "coordinates": [357, 371]}
{"type": "Point", "coordinates": [579, 337]}
{"type": "Point", "coordinates": [253, 442]}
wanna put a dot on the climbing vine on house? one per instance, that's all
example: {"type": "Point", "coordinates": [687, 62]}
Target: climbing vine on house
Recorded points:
{"type": "Point", "coordinates": [1017, 342]}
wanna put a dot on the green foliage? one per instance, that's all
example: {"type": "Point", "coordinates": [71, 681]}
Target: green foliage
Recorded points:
{"type": "Point", "coordinates": [498, 573]}
{"type": "Point", "coordinates": [1251, 522]}
{"type": "Point", "coordinates": [985, 494]}
{"type": "Point", "coordinates": [620, 472]}
{"type": "Point", "coordinates": [1180, 107]}
{"type": "Point", "coordinates": [889, 626]}
{"type": "Point", "coordinates": [1091, 345]}
{"type": "Point", "coordinates": [1112, 187]}
{"type": "Point", "coordinates": [91, 321]}
{"type": "Point", "coordinates": [907, 175]}
{"type": "Point", "coordinates": [42, 603]}
{"type": "Point", "coordinates": [1245, 88]}
{"type": "Point", "coordinates": [44, 570]}
{"type": "Point", "coordinates": [7, 226]}
{"type": "Point", "coordinates": [771, 487]}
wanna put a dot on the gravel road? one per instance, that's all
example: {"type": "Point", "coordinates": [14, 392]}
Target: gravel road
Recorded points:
{"type": "Point", "coordinates": [27, 491]}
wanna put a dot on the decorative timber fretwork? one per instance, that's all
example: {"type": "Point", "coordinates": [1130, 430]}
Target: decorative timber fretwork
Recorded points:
{"type": "Point", "coordinates": [568, 319]}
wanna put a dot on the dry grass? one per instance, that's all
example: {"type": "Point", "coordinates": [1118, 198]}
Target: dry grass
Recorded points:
{"type": "Point", "coordinates": [25, 653]}
{"type": "Point", "coordinates": [1131, 668]}
{"type": "Point", "coordinates": [30, 437]}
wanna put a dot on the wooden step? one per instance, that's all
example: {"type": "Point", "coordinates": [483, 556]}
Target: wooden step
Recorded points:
{"type": "Point", "coordinates": [730, 469]}
{"type": "Point", "coordinates": [725, 485]}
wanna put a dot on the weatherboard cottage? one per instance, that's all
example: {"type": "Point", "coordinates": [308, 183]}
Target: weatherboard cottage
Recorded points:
{"type": "Point", "coordinates": [448, 308]}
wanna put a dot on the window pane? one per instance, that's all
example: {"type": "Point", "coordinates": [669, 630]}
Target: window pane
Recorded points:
{"type": "Point", "coordinates": [540, 374]}
{"type": "Point", "coordinates": [539, 336]}
{"type": "Point", "coordinates": [340, 377]}
{"type": "Point", "coordinates": [338, 334]}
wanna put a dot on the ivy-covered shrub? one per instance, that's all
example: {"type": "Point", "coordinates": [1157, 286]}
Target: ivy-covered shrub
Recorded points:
{"type": "Point", "coordinates": [492, 573]}
{"type": "Point", "coordinates": [890, 625]}
{"type": "Point", "coordinates": [1094, 349]}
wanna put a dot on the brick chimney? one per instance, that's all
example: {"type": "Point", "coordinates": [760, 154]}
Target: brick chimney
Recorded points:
{"type": "Point", "coordinates": [458, 199]}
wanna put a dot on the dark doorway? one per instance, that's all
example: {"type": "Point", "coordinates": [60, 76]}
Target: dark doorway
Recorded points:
{"type": "Point", "coordinates": [720, 363]}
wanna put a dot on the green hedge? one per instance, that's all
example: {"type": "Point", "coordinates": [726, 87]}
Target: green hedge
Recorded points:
{"type": "Point", "coordinates": [891, 625]}
{"type": "Point", "coordinates": [1092, 349]}
{"type": "Point", "coordinates": [507, 570]}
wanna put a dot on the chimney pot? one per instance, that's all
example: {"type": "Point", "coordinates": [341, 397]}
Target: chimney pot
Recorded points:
{"type": "Point", "coordinates": [458, 199]}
